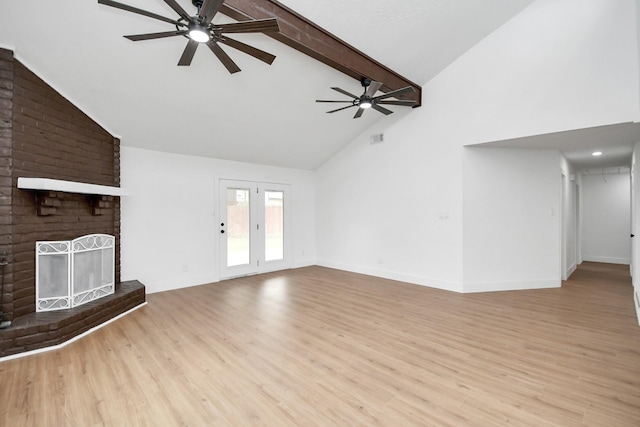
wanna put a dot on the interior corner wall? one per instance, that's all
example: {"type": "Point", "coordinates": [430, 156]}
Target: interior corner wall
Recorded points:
{"type": "Point", "coordinates": [394, 209]}
{"type": "Point", "coordinates": [606, 227]}
{"type": "Point", "coordinates": [169, 223]}
{"type": "Point", "coordinates": [512, 217]}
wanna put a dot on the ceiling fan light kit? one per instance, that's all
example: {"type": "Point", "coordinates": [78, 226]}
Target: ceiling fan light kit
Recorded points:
{"type": "Point", "coordinates": [369, 100]}
{"type": "Point", "coordinates": [199, 33]}
{"type": "Point", "coordinates": [199, 29]}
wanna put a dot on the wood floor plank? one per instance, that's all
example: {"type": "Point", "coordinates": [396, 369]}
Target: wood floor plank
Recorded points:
{"type": "Point", "coordinates": [322, 347]}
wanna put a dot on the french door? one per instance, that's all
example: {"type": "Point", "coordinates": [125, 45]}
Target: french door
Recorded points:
{"type": "Point", "coordinates": [253, 227]}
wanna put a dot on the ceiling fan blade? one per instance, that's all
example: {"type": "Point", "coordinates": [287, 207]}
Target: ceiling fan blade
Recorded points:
{"type": "Point", "coordinates": [139, 37]}
{"type": "Point", "coordinates": [249, 50]}
{"type": "Point", "coordinates": [231, 66]}
{"type": "Point", "coordinates": [344, 92]}
{"type": "Point", "coordinates": [358, 113]}
{"type": "Point", "coordinates": [139, 11]}
{"type": "Point", "coordinates": [372, 89]}
{"type": "Point", "coordinates": [256, 26]}
{"type": "Point", "coordinates": [405, 103]}
{"type": "Point", "coordinates": [340, 109]}
{"type": "Point", "coordinates": [209, 9]}
{"type": "Point", "coordinates": [381, 109]}
{"type": "Point", "coordinates": [321, 100]}
{"type": "Point", "coordinates": [189, 51]}
{"type": "Point", "coordinates": [395, 93]}
{"type": "Point", "coordinates": [179, 10]}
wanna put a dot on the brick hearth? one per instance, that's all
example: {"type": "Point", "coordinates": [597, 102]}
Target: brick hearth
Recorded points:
{"type": "Point", "coordinates": [45, 329]}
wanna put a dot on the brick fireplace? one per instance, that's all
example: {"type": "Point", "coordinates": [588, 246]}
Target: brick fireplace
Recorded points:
{"type": "Point", "coordinates": [43, 135]}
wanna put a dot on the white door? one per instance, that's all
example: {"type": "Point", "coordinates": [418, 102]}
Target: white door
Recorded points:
{"type": "Point", "coordinates": [254, 228]}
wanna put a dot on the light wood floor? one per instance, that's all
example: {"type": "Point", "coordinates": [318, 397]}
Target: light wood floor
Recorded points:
{"type": "Point", "coordinates": [320, 347]}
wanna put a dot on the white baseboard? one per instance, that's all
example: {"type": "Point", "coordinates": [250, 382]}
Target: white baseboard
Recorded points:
{"type": "Point", "coordinates": [570, 270]}
{"type": "Point", "coordinates": [392, 275]}
{"type": "Point", "coordinates": [607, 260]}
{"type": "Point", "coordinates": [170, 284]}
{"type": "Point", "coordinates": [303, 263]}
{"type": "Point", "coordinates": [447, 285]}
{"type": "Point", "coordinates": [511, 286]}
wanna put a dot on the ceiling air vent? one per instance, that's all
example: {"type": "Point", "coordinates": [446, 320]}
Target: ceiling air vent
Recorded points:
{"type": "Point", "coordinates": [376, 139]}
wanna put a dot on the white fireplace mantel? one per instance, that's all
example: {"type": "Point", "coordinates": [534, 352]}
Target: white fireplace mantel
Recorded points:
{"type": "Point", "coordinates": [48, 184]}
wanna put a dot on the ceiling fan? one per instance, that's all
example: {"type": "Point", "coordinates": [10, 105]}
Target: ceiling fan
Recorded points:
{"type": "Point", "coordinates": [199, 29]}
{"type": "Point", "coordinates": [368, 100]}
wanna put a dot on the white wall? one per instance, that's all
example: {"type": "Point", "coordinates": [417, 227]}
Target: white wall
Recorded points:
{"type": "Point", "coordinates": [169, 234]}
{"type": "Point", "coordinates": [396, 209]}
{"type": "Point", "coordinates": [559, 65]}
{"type": "Point", "coordinates": [512, 219]}
{"type": "Point", "coordinates": [635, 225]}
{"type": "Point", "coordinates": [606, 208]}
{"type": "Point", "coordinates": [638, 32]}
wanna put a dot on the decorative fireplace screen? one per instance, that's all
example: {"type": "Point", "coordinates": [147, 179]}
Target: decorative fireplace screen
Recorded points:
{"type": "Point", "coordinates": [72, 273]}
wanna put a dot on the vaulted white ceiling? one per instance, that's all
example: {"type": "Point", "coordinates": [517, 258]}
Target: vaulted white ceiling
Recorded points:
{"type": "Point", "coordinates": [264, 114]}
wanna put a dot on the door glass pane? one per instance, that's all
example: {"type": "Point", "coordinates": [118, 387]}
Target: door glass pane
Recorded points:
{"type": "Point", "coordinates": [273, 225]}
{"type": "Point", "coordinates": [238, 227]}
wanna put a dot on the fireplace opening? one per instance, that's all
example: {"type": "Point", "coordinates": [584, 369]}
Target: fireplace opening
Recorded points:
{"type": "Point", "coordinates": [75, 272]}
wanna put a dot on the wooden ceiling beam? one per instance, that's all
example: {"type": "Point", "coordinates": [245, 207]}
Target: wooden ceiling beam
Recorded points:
{"type": "Point", "coordinates": [305, 36]}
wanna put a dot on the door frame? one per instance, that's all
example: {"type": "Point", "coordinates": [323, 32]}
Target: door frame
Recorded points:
{"type": "Point", "coordinates": [257, 264]}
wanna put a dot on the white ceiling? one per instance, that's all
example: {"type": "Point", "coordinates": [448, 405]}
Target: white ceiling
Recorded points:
{"type": "Point", "coordinates": [615, 142]}
{"type": "Point", "coordinates": [416, 38]}
{"type": "Point", "coordinates": [264, 114]}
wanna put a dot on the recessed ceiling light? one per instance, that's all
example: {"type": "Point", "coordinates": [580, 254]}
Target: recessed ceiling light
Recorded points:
{"type": "Point", "coordinates": [596, 153]}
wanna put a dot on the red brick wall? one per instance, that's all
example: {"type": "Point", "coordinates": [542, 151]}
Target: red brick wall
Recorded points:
{"type": "Point", "coordinates": [51, 138]}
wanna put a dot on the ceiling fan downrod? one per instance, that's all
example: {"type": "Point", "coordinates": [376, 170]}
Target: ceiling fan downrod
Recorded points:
{"type": "Point", "coordinates": [198, 5]}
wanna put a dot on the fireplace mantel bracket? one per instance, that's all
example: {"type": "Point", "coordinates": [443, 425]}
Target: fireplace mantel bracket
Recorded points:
{"type": "Point", "coordinates": [50, 192]}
